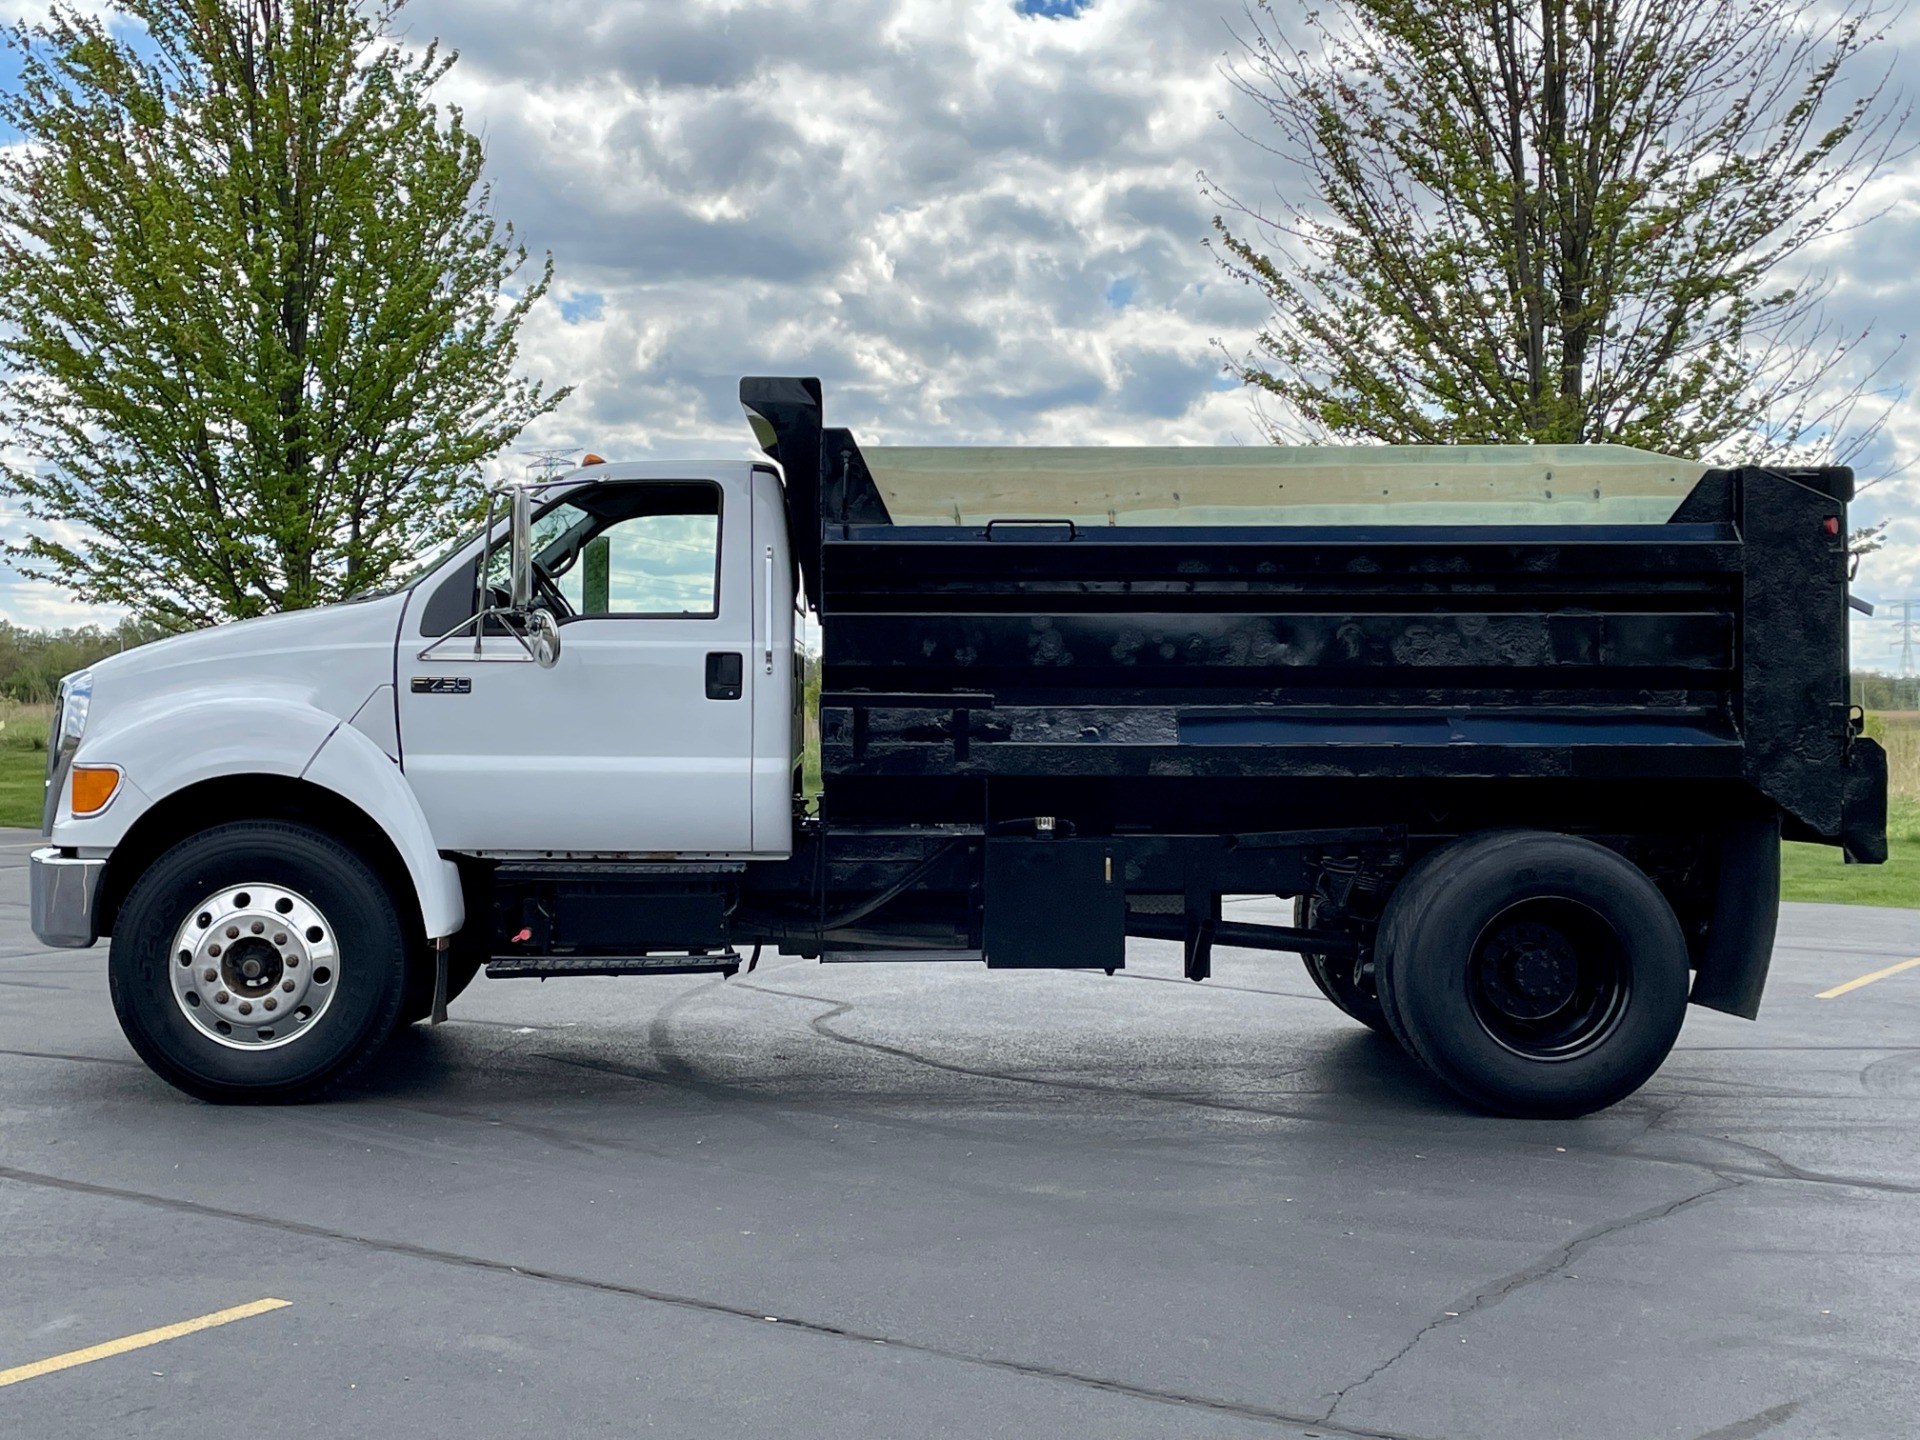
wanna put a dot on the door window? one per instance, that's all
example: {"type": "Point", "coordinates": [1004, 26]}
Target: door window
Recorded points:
{"type": "Point", "coordinates": [657, 564]}
{"type": "Point", "coordinates": [647, 549]}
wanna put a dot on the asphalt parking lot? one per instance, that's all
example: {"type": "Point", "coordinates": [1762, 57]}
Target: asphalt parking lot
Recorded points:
{"type": "Point", "coordinates": [922, 1201]}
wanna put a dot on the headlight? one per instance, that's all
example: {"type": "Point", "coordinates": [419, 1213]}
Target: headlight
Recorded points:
{"type": "Point", "coordinates": [63, 738]}
{"type": "Point", "coordinates": [76, 693]}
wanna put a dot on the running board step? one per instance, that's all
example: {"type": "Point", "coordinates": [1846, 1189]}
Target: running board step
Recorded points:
{"type": "Point", "coordinates": [542, 967]}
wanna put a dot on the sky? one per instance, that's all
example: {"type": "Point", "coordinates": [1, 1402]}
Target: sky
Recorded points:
{"type": "Point", "coordinates": [978, 221]}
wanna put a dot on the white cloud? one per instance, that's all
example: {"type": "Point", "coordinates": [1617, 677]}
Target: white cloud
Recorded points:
{"type": "Point", "coordinates": [974, 225]}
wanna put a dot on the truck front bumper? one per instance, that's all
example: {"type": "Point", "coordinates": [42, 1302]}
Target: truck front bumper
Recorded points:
{"type": "Point", "coordinates": [64, 890]}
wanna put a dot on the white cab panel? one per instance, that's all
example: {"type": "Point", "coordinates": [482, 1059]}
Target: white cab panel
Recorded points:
{"type": "Point", "coordinates": [616, 748]}
{"type": "Point", "coordinates": [258, 697]}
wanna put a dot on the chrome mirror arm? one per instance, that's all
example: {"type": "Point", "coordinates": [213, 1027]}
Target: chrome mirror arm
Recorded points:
{"type": "Point", "coordinates": [533, 629]}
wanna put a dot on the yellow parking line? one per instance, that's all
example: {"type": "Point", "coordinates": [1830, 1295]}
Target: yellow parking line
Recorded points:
{"type": "Point", "coordinates": [1867, 979]}
{"type": "Point", "coordinates": [138, 1342]}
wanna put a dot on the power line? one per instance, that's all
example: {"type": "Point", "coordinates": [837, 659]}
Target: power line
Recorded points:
{"type": "Point", "coordinates": [545, 464]}
{"type": "Point", "coordinates": [1900, 614]}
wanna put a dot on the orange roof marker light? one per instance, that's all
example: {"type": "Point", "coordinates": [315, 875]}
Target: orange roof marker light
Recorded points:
{"type": "Point", "coordinates": [592, 459]}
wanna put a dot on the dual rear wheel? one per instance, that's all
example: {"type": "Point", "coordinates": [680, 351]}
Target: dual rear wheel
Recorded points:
{"type": "Point", "coordinates": [1533, 974]}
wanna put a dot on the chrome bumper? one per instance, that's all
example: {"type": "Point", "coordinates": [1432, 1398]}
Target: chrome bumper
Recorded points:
{"type": "Point", "coordinates": [64, 888]}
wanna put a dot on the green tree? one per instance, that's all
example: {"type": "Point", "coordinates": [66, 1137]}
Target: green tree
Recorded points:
{"type": "Point", "coordinates": [256, 321]}
{"type": "Point", "coordinates": [32, 662]}
{"type": "Point", "coordinates": [1559, 220]}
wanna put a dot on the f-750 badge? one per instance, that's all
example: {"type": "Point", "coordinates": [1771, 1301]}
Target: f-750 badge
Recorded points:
{"type": "Point", "coordinates": [443, 685]}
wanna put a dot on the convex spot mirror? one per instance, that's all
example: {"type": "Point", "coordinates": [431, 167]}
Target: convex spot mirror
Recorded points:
{"type": "Point", "coordinates": [543, 638]}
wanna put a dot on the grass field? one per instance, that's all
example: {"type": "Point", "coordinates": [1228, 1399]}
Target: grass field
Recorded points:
{"type": "Point", "coordinates": [23, 761]}
{"type": "Point", "coordinates": [1808, 872]}
{"type": "Point", "coordinates": [1815, 872]}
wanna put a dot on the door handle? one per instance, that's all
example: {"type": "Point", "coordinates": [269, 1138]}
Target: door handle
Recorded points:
{"type": "Point", "coordinates": [726, 674]}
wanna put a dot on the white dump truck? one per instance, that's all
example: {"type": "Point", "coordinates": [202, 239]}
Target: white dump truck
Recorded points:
{"type": "Point", "coordinates": [1520, 729]}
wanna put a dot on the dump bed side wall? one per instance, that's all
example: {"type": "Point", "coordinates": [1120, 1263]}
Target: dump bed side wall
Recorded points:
{"type": "Point", "coordinates": [968, 667]}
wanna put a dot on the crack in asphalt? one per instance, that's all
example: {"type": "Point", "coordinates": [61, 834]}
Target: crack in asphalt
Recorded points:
{"type": "Point", "coordinates": [1550, 1264]}
{"type": "Point", "coordinates": [879, 1120]}
{"type": "Point", "coordinates": [1776, 1167]}
{"type": "Point", "coordinates": [824, 1329]}
{"type": "Point", "coordinates": [836, 1008]}
{"type": "Point", "coordinates": [1772, 1166]}
{"type": "Point", "coordinates": [80, 1059]}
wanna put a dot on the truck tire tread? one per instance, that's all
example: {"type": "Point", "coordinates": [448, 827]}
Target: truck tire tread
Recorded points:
{"type": "Point", "coordinates": [1426, 941]}
{"type": "Point", "coordinates": [359, 905]}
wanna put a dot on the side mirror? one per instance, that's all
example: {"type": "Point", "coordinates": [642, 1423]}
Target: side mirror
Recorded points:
{"type": "Point", "coordinates": [520, 549]}
{"type": "Point", "coordinates": [534, 627]}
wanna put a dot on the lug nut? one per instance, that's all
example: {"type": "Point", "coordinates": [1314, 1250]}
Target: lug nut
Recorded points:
{"type": "Point", "coordinates": [210, 975]}
{"type": "Point", "coordinates": [281, 938]}
{"type": "Point", "coordinates": [246, 1008]}
{"type": "Point", "coordinates": [258, 926]}
{"type": "Point", "coordinates": [222, 998]}
{"type": "Point", "coordinates": [233, 932]}
{"type": "Point", "coordinates": [287, 985]}
{"type": "Point", "coordinates": [271, 1003]}
{"type": "Point", "coordinates": [292, 960]}
{"type": "Point", "coordinates": [214, 949]}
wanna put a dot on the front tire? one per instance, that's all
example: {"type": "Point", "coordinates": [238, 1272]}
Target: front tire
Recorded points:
{"type": "Point", "coordinates": [1534, 974]}
{"type": "Point", "coordinates": [260, 961]}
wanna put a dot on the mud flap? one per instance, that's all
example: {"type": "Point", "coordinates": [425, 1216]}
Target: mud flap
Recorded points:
{"type": "Point", "coordinates": [1863, 804]}
{"type": "Point", "coordinates": [1746, 912]}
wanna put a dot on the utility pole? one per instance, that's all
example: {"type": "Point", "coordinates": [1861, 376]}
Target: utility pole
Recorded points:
{"type": "Point", "coordinates": [545, 464]}
{"type": "Point", "coordinates": [1904, 624]}
{"type": "Point", "coordinates": [1901, 613]}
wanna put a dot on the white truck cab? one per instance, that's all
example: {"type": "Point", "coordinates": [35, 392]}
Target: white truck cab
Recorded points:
{"type": "Point", "coordinates": [666, 726]}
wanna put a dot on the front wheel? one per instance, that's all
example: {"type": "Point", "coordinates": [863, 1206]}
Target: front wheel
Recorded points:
{"type": "Point", "coordinates": [1535, 974]}
{"type": "Point", "coordinates": [258, 961]}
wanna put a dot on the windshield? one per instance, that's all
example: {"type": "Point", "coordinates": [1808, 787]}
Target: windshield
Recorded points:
{"type": "Point", "coordinates": [416, 572]}
{"type": "Point", "coordinates": [1284, 485]}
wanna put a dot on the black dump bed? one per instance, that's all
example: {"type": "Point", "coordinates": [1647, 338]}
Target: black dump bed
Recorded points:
{"type": "Point", "coordinates": [1221, 677]}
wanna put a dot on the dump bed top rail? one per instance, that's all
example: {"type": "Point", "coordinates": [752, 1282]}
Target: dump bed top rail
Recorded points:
{"type": "Point", "coordinates": [1260, 485]}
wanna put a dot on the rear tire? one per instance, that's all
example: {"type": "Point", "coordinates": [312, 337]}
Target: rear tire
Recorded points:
{"type": "Point", "coordinates": [1534, 974]}
{"type": "Point", "coordinates": [259, 961]}
{"type": "Point", "coordinates": [1336, 978]}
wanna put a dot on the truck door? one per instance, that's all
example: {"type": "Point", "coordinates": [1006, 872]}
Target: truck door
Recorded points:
{"type": "Point", "coordinates": [640, 738]}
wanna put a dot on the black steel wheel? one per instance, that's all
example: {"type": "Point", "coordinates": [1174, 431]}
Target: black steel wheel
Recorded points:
{"type": "Point", "coordinates": [1535, 974]}
{"type": "Point", "coordinates": [1339, 980]}
{"type": "Point", "coordinates": [258, 961]}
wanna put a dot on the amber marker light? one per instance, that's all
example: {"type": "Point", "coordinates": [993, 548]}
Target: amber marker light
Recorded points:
{"type": "Point", "coordinates": [93, 787]}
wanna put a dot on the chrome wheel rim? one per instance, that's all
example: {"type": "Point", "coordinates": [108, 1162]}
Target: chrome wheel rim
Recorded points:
{"type": "Point", "coordinates": [254, 967]}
